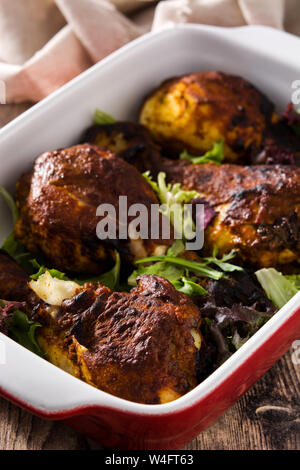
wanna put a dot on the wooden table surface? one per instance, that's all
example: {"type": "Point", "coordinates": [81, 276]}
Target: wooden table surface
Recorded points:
{"type": "Point", "coordinates": [266, 417]}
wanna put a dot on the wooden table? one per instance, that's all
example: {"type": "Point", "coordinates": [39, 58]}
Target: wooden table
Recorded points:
{"type": "Point", "coordinates": [266, 417]}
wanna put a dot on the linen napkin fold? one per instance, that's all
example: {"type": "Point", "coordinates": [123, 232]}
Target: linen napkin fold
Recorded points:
{"type": "Point", "coordinates": [45, 43]}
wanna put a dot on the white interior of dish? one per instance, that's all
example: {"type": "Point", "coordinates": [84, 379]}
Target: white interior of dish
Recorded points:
{"type": "Point", "coordinates": [117, 85]}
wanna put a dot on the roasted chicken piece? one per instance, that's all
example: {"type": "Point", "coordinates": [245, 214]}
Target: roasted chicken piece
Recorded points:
{"type": "Point", "coordinates": [258, 208]}
{"type": "Point", "coordinates": [58, 202]}
{"type": "Point", "coordinates": [140, 345]}
{"type": "Point", "coordinates": [193, 111]}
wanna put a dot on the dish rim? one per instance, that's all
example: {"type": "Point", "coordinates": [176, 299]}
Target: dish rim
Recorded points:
{"type": "Point", "coordinates": [257, 340]}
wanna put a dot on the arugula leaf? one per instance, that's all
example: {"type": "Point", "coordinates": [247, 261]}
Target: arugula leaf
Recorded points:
{"type": "Point", "coordinates": [22, 330]}
{"type": "Point", "coordinates": [215, 155]}
{"type": "Point", "coordinates": [278, 288]}
{"type": "Point", "coordinates": [189, 287]}
{"type": "Point", "coordinates": [173, 198]}
{"type": "Point", "coordinates": [166, 270]}
{"type": "Point", "coordinates": [177, 270]}
{"type": "Point", "coordinates": [100, 117]}
{"type": "Point", "coordinates": [221, 263]}
{"type": "Point", "coordinates": [11, 203]}
{"type": "Point", "coordinates": [194, 266]}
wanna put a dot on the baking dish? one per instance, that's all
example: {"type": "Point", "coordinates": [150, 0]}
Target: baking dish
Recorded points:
{"type": "Point", "coordinates": [117, 85]}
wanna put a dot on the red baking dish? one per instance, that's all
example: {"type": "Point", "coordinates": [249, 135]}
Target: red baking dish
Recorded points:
{"type": "Point", "coordinates": [117, 85]}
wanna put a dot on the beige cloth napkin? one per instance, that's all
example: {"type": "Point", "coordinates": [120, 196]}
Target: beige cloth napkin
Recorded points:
{"type": "Point", "coordinates": [45, 43]}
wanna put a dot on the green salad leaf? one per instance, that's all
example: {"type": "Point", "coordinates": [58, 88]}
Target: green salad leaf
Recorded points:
{"type": "Point", "coordinates": [11, 203]}
{"type": "Point", "coordinates": [109, 279]}
{"type": "Point", "coordinates": [295, 279]}
{"type": "Point", "coordinates": [180, 271]}
{"type": "Point", "coordinates": [53, 273]}
{"type": "Point", "coordinates": [189, 287]}
{"type": "Point", "coordinates": [13, 247]}
{"type": "Point", "coordinates": [278, 288]}
{"type": "Point", "coordinates": [215, 155]}
{"type": "Point", "coordinates": [222, 262]}
{"type": "Point", "coordinates": [194, 266]}
{"type": "Point", "coordinates": [22, 330]}
{"type": "Point", "coordinates": [100, 117]}
{"type": "Point", "coordinates": [173, 197]}
{"type": "Point", "coordinates": [161, 268]}
{"type": "Point", "coordinates": [29, 261]}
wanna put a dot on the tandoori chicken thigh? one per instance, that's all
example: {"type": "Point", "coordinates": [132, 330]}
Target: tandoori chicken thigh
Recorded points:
{"type": "Point", "coordinates": [258, 208]}
{"type": "Point", "coordinates": [58, 202]}
{"type": "Point", "coordinates": [141, 345]}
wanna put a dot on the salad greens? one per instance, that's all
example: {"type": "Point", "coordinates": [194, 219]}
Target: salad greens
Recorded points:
{"type": "Point", "coordinates": [181, 272]}
{"type": "Point", "coordinates": [22, 330]}
{"type": "Point", "coordinates": [173, 197]}
{"type": "Point", "coordinates": [109, 279]}
{"type": "Point", "coordinates": [222, 262]}
{"type": "Point", "coordinates": [278, 288]}
{"type": "Point", "coordinates": [11, 203]}
{"type": "Point", "coordinates": [100, 117]}
{"type": "Point", "coordinates": [215, 155]}
{"type": "Point", "coordinates": [189, 287]}
{"type": "Point", "coordinates": [16, 324]}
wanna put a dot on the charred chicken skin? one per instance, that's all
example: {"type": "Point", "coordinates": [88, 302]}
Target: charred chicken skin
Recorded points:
{"type": "Point", "coordinates": [58, 202]}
